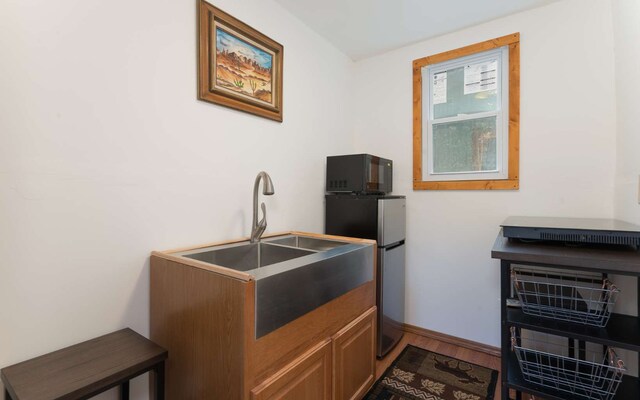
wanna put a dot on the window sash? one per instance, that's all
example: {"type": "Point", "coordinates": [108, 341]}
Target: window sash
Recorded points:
{"type": "Point", "coordinates": [466, 175]}
{"type": "Point", "coordinates": [501, 113]}
{"type": "Point", "coordinates": [463, 118]}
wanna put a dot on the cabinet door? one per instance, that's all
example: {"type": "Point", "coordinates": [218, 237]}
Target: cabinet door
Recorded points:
{"type": "Point", "coordinates": [308, 377]}
{"type": "Point", "coordinates": [354, 357]}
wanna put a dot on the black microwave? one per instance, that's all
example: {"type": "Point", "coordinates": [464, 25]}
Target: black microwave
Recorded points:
{"type": "Point", "coordinates": [359, 173]}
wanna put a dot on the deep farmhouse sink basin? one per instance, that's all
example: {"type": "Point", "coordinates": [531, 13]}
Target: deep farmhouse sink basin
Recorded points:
{"type": "Point", "coordinates": [294, 274]}
{"type": "Point", "coordinates": [309, 243]}
{"type": "Point", "coordinates": [248, 256]}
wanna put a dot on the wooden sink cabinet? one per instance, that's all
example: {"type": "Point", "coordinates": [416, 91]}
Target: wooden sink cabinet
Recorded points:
{"type": "Point", "coordinates": [204, 315]}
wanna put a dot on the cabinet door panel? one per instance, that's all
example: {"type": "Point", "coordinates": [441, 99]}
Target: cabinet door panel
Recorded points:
{"type": "Point", "coordinates": [308, 377]}
{"type": "Point", "coordinates": [354, 359]}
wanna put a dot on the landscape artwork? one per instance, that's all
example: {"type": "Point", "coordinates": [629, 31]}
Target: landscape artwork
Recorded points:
{"type": "Point", "coordinates": [243, 67]}
{"type": "Point", "coordinates": [238, 67]}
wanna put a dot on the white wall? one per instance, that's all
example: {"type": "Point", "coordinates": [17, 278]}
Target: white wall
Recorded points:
{"type": "Point", "coordinates": [106, 155]}
{"type": "Point", "coordinates": [626, 23]}
{"type": "Point", "coordinates": [567, 157]}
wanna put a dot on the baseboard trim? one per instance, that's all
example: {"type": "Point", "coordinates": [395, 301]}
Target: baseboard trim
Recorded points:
{"type": "Point", "coordinates": [467, 344]}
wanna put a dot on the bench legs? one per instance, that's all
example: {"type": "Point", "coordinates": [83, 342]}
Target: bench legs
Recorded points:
{"type": "Point", "coordinates": [157, 382]}
{"type": "Point", "coordinates": [124, 390]}
{"type": "Point", "coordinates": [156, 387]}
{"type": "Point", "coordinates": [159, 373]}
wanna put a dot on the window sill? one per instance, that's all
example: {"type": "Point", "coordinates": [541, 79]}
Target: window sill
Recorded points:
{"type": "Point", "coordinates": [502, 184]}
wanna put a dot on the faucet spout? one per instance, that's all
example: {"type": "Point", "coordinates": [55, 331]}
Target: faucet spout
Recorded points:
{"type": "Point", "coordinates": [258, 228]}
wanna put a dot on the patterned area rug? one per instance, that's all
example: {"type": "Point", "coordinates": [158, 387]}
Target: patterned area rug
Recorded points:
{"type": "Point", "coordinates": [418, 374]}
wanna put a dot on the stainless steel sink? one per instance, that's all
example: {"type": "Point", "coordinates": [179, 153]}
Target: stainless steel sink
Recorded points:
{"type": "Point", "coordinates": [248, 256]}
{"type": "Point", "coordinates": [293, 274]}
{"type": "Point", "coordinates": [308, 243]}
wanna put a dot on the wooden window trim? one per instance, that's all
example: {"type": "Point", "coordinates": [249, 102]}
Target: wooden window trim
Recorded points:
{"type": "Point", "coordinates": [513, 180]}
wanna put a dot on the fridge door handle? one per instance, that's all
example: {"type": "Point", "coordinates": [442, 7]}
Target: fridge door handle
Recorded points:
{"type": "Point", "coordinates": [388, 248]}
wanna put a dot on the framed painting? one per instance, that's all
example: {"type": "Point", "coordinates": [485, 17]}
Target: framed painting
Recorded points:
{"type": "Point", "coordinates": [238, 66]}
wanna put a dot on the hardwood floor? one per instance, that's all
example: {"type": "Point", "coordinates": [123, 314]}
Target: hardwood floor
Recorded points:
{"type": "Point", "coordinates": [472, 356]}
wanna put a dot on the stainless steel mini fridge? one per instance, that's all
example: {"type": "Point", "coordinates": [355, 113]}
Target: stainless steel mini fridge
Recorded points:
{"type": "Point", "coordinates": [382, 218]}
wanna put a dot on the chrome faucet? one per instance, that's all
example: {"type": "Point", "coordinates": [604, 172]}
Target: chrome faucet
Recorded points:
{"type": "Point", "coordinates": [257, 228]}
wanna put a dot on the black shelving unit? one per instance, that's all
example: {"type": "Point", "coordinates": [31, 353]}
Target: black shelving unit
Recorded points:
{"type": "Point", "coordinates": [622, 331]}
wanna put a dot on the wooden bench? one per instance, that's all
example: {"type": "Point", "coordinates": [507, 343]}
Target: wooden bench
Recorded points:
{"type": "Point", "coordinates": [87, 369]}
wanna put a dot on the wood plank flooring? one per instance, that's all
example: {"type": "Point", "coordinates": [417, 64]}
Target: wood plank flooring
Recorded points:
{"type": "Point", "coordinates": [447, 349]}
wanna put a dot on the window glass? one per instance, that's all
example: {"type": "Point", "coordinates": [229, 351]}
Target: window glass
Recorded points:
{"type": "Point", "coordinates": [469, 89]}
{"type": "Point", "coordinates": [465, 146]}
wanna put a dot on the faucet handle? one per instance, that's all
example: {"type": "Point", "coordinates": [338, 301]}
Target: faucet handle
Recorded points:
{"type": "Point", "coordinates": [263, 221]}
{"type": "Point", "coordinates": [261, 226]}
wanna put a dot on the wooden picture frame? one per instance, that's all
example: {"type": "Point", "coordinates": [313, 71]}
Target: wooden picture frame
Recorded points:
{"type": "Point", "coordinates": [238, 66]}
{"type": "Point", "coordinates": [512, 182]}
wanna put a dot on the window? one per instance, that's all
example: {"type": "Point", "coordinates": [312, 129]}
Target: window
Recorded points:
{"type": "Point", "coordinates": [466, 117]}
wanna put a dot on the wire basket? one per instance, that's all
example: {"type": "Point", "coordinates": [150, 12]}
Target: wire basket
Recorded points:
{"type": "Point", "coordinates": [583, 299]}
{"type": "Point", "coordinates": [544, 363]}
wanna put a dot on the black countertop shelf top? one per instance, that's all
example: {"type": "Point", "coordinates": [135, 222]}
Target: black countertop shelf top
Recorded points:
{"type": "Point", "coordinates": [629, 388]}
{"type": "Point", "coordinates": [615, 260]}
{"type": "Point", "coordinates": [622, 331]}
